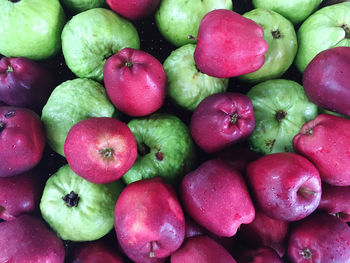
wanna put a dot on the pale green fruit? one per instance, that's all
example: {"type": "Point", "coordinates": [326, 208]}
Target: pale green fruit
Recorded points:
{"type": "Point", "coordinates": [31, 28]}
{"type": "Point", "coordinates": [177, 19]}
{"type": "Point", "coordinates": [91, 37]}
{"type": "Point", "coordinates": [69, 103]}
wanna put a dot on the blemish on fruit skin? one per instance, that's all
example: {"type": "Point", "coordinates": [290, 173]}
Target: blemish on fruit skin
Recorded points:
{"type": "Point", "coordinates": [270, 144]}
{"type": "Point", "coordinates": [159, 156]}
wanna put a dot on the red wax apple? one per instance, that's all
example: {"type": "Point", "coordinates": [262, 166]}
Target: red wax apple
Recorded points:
{"type": "Point", "coordinates": [149, 221]}
{"type": "Point", "coordinates": [201, 249]}
{"type": "Point", "coordinates": [335, 201]}
{"type": "Point", "coordinates": [96, 252]}
{"type": "Point", "coordinates": [325, 141]}
{"type": "Point", "coordinates": [326, 80]}
{"type": "Point", "coordinates": [101, 150]}
{"type": "Point", "coordinates": [135, 82]}
{"type": "Point", "coordinates": [221, 120]}
{"type": "Point", "coordinates": [27, 240]}
{"type": "Point", "coordinates": [265, 231]}
{"type": "Point", "coordinates": [19, 194]}
{"type": "Point", "coordinates": [229, 45]}
{"type": "Point", "coordinates": [260, 255]}
{"type": "Point", "coordinates": [24, 83]}
{"type": "Point", "coordinates": [320, 238]}
{"type": "Point", "coordinates": [216, 197]}
{"type": "Point", "coordinates": [22, 140]}
{"type": "Point", "coordinates": [286, 186]}
{"type": "Point", "coordinates": [134, 9]}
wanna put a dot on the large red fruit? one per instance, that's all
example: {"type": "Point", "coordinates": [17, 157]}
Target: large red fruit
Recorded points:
{"type": "Point", "coordinates": [229, 44]}
{"type": "Point", "coordinates": [325, 141]}
{"type": "Point", "coordinates": [135, 82]}
{"type": "Point", "coordinates": [101, 150]}
{"type": "Point", "coordinates": [134, 9]}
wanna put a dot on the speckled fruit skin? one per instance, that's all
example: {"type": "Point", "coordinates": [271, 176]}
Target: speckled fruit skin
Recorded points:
{"type": "Point", "coordinates": [101, 150]}
{"type": "Point", "coordinates": [285, 186]}
{"type": "Point", "coordinates": [326, 80]}
{"type": "Point", "coordinates": [319, 238]}
{"type": "Point", "coordinates": [229, 44]}
{"type": "Point", "coordinates": [221, 211]}
{"type": "Point", "coordinates": [134, 9]}
{"type": "Point", "coordinates": [149, 221]}
{"type": "Point", "coordinates": [22, 140]}
{"type": "Point", "coordinates": [325, 138]}
{"type": "Point", "coordinates": [28, 239]}
{"type": "Point", "coordinates": [221, 120]}
{"type": "Point", "coordinates": [135, 82]}
{"type": "Point", "coordinates": [201, 249]}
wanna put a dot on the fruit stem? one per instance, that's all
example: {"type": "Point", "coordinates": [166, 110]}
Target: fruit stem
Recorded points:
{"type": "Point", "coordinates": [347, 31]}
{"type": "Point", "coordinates": [128, 64]}
{"type": "Point", "coordinates": [107, 153]}
{"type": "Point", "coordinates": [9, 69]}
{"type": "Point", "coordinates": [192, 37]}
{"type": "Point", "coordinates": [71, 199]}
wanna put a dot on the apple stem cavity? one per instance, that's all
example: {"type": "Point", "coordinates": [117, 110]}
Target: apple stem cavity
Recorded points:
{"type": "Point", "coordinates": [306, 253]}
{"type": "Point", "coordinates": [276, 34]}
{"type": "Point", "coordinates": [71, 199]}
{"type": "Point", "coordinates": [234, 118]}
{"type": "Point", "coordinates": [280, 115]}
{"type": "Point", "coordinates": [192, 37]}
{"type": "Point", "coordinates": [9, 69]}
{"type": "Point", "coordinates": [347, 31]}
{"type": "Point", "coordinates": [305, 192]}
{"type": "Point", "coordinates": [143, 149]}
{"type": "Point", "coordinates": [128, 64]}
{"type": "Point", "coordinates": [107, 153]}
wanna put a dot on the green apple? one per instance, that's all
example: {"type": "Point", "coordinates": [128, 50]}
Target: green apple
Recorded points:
{"type": "Point", "coordinates": [280, 35]}
{"type": "Point", "coordinates": [327, 28]}
{"type": "Point", "coordinates": [77, 6]}
{"type": "Point", "coordinates": [31, 28]}
{"type": "Point", "coordinates": [294, 10]}
{"type": "Point", "coordinates": [165, 148]}
{"type": "Point", "coordinates": [187, 86]}
{"type": "Point", "coordinates": [76, 209]}
{"type": "Point", "coordinates": [177, 19]}
{"type": "Point", "coordinates": [71, 102]}
{"type": "Point", "coordinates": [91, 37]}
{"type": "Point", "coordinates": [280, 109]}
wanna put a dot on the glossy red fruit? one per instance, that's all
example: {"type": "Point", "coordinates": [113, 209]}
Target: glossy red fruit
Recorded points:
{"type": "Point", "coordinates": [285, 186]}
{"type": "Point", "coordinates": [101, 150]}
{"type": "Point", "coordinates": [22, 140]}
{"type": "Point", "coordinates": [325, 141]}
{"type": "Point", "coordinates": [221, 120]}
{"type": "Point", "coordinates": [149, 221]}
{"type": "Point", "coordinates": [134, 9]}
{"type": "Point", "coordinates": [229, 45]}
{"type": "Point", "coordinates": [260, 255]}
{"type": "Point", "coordinates": [319, 238]}
{"type": "Point", "coordinates": [135, 82]}
{"type": "Point", "coordinates": [201, 249]}
{"type": "Point", "coordinates": [27, 239]}
{"type": "Point", "coordinates": [216, 197]}
{"type": "Point", "coordinates": [326, 80]}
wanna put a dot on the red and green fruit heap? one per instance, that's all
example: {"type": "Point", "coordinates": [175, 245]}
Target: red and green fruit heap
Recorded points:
{"type": "Point", "coordinates": [174, 131]}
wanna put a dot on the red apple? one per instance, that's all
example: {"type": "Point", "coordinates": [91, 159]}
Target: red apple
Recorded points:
{"type": "Point", "coordinates": [24, 83]}
{"type": "Point", "coordinates": [320, 238]}
{"type": "Point", "coordinates": [286, 186]}
{"type": "Point", "coordinates": [101, 150]}
{"type": "Point", "coordinates": [216, 197]}
{"type": "Point", "coordinates": [266, 231]}
{"type": "Point", "coordinates": [229, 44]}
{"type": "Point", "coordinates": [221, 120]}
{"type": "Point", "coordinates": [201, 249]}
{"type": "Point", "coordinates": [326, 80]}
{"type": "Point", "coordinates": [96, 252]}
{"type": "Point", "coordinates": [335, 201]}
{"type": "Point", "coordinates": [134, 9]}
{"type": "Point", "coordinates": [135, 82]}
{"type": "Point", "coordinates": [19, 194]}
{"type": "Point", "coordinates": [28, 240]}
{"type": "Point", "coordinates": [260, 255]}
{"type": "Point", "coordinates": [149, 221]}
{"type": "Point", "coordinates": [22, 140]}
{"type": "Point", "coordinates": [325, 141]}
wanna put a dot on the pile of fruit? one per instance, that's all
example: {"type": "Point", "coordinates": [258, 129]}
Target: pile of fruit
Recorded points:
{"type": "Point", "coordinates": [174, 131]}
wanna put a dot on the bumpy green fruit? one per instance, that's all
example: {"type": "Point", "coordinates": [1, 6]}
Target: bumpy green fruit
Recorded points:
{"type": "Point", "coordinates": [76, 209]}
{"type": "Point", "coordinates": [165, 148]}
{"type": "Point", "coordinates": [31, 28]}
{"type": "Point", "coordinates": [91, 37]}
{"type": "Point", "coordinates": [187, 86]}
{"type": "Point", "coordinates": [280, 109]}
{"type": "Point", "coordinates": [69, 103]}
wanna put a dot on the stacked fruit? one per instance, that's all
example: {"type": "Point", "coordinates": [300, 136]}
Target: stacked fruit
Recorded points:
{"type": "Point", "coordinates": [174, 131]}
